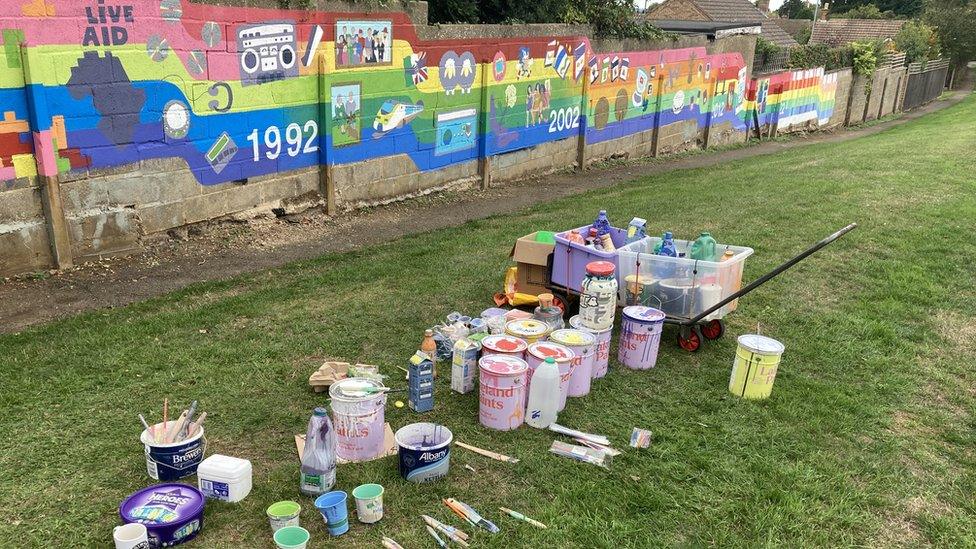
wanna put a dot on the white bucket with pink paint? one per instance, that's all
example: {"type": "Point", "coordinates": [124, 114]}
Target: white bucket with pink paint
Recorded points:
{"type": "Point", "coordinates": [503, 387]}
{"type": "Point", "coordinates": [640, 336]}
{"type": "Point", "coordinates": [358, 416]}
{"type": "Point", "coordinates": [563, 355]}
{"type": "Point", "coordinates": [583, 345]}
{"type": "Point", "coordinates": [601, 363]}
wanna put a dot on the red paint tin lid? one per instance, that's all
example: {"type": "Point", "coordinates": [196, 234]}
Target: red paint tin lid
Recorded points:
{"type": "Point", "coordinates": [503, 364]}
{"type": "Point", "coordinates": [501, 343]}
{"type": "Point", "coordinates": [547, 349]}
{"type": "Point", "coordinates": [600, 268]}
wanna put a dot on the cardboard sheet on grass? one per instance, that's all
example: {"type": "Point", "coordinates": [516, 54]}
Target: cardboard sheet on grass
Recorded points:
{"type": "Point", "coordinates": [389, 445]}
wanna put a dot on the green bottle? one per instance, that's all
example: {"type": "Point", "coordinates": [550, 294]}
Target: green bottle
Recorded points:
{"type": "Point", "coordinates": [704, 248]}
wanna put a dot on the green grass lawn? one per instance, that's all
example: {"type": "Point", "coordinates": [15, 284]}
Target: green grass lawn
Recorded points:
{"type": "Point", "coordinates": [868, 438]}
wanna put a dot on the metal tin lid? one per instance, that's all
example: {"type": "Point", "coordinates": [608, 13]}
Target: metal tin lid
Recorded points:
{"type": "Point", "coordinates": [503, 364]}
{"type": "Point", "coordinates": [502, 343]}
{"type": "Point", "coordinates": [600, 268]}
{"type": "Point", "coordinates": [547, 349]}
{"type": "Point", "coordinates": [761, 344]}
{"type": "Point", "coordinates": [641, 313]}
{"type": "Point", "coordinates": [572, 338]}
{"type": "Point", "coordinates": [169, 503]}
{"type": "Point", "coordinates": [354, 389]}
{"type": "Point", "coordinates": [576, 322]}
{"type": "Point", "coordinates": [528, 327]}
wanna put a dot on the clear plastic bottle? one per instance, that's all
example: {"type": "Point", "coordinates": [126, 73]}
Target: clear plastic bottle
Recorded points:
{"type": "Point", "coordinates": [319, 457]}
{"type": "Point", "coordinates": [543, 403]}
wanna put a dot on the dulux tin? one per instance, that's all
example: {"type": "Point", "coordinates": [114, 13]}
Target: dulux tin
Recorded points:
{"type": "Point", "coordinates": [171, 512]}
{"type": "Point", "coordinates": [583, 345]}
{"type": "Point", "coordinates": [175, 460]}
{"type": "Point", "coordinates": [640, 336]}
{"type": "Point", "coordinates": [503, 383]}
{"type": "Point", "coordinates": [503, 344]}
{"type": "Point", "coordinates": [529, 329]}
{"type": "Point", "coordinates": [601, 363]}
{"type": "Point", "coordinates": [424, 451]}
{"type": "Point", "coordinates": [563, 355]}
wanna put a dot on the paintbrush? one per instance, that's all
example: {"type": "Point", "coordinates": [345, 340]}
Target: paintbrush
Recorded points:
{"type": "Point", "coordinates": [390, 544]}
{"type": "Point", "coordinates": [165, 415]}
{"type": "Point", "coordinates": [520, 516]}
{"type": "Point", "coordinates": [185, 432]}
{"type": "Point", "coordinates": [144, 424]}
{"type": "Point", "coordinates": [196, 425]}
{"type": "Point", "coordinates": [487, 453]}
{"type": "Point", "coordinates": [458, 511]}
{"type": "Point", "coordinates": [473, 516]}
{"type": "Point", "coordinates": [454, 534]}
{"type": "Point", "coordinates": [433, 534]}
{"type": "Point", "coordinates": [175, 428]}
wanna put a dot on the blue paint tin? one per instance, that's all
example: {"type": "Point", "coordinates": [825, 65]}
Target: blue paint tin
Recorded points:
{"type": "Point", "coordinates": [424, 451]}
{"type": "Point", "coordinates": [172, 513]}
{"type": "Point", "coordinates": [176, 460]}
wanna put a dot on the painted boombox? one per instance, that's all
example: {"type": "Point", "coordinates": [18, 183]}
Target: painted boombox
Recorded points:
{"type": "Point", "coordinates": [267, 52]}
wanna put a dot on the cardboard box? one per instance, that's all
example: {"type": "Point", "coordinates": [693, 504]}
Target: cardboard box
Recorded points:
{"type": "Point", "coordinates": [532, 258]}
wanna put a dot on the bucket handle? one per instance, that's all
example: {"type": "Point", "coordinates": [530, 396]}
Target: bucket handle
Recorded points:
{"type": "Point", "coordinates": [150, 458]}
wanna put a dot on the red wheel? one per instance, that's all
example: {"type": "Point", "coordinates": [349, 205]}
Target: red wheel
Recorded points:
{"type": "Point", "coordinates": [690, 339]}
{"type": "Point", "coordinates": [713, 329]}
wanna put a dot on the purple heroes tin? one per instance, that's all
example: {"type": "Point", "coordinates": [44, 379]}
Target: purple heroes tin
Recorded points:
{"type": "Point", "coordinates": [172, 513]}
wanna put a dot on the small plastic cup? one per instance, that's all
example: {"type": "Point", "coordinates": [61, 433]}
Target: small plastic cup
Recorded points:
{"type": "Point", "coordinates": [369, 502]}
{"type": "Point", "coordinates": [291, 537]}
{"type": "Point", "coordinates": [333, 508]}
{"type": "Point", "coordinates": [283, 514]}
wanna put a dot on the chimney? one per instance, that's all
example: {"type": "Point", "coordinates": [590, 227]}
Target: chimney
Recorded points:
{"type": "Point", "coordinates": [824, 11]}
{"type": "Point", "coordinates": [763, 6]}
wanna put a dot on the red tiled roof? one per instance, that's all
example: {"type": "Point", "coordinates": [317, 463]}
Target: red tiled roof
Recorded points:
{"type": "Point", "coordinates": [741, 11]}
{"type": "Point", "coordinates": [837, 32]}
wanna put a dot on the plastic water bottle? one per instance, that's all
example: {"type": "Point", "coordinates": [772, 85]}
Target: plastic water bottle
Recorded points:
{"type": "Point", "coordinates": [319, 457]}
{"type": "Point", "coordinates": [602, 223]}
{"type": "Point", "coordinates": [704, 248]}
{"type": "Point", "coordinates": [543, 395]}
{"type": "Point", "coordinates": [667, 245]}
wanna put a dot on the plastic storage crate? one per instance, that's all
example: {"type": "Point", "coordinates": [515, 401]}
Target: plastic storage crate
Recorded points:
{"type": "Point", "coordinates": [569, 259]}
{"type": "Point", "coordinates": [680, 287]}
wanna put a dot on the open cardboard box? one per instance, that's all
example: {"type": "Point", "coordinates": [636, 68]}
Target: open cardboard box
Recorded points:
{"type": "Point", "coordinates": [389, 445]}
{"type": "Point", "coordinates": [532, 258]}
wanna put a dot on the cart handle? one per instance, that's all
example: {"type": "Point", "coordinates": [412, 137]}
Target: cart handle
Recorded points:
{"type": "Point", "coordinates": [765, 278]}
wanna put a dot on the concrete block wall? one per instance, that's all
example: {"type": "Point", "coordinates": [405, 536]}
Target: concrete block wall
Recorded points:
{"type": "Point", "coordinates": [24, 244]}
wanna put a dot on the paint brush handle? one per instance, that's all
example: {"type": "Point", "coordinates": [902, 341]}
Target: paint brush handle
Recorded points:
{"type": "Point", "coordinates": [196, 425]}
{"type": "Point", "coordinates": [175, 428]}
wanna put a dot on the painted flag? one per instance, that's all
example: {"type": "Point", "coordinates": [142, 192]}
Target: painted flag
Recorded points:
{"type": "Point", "coordinates": [562, 61]}
{"type": "Point", "coordinates": [594, 69]}
{"type": "Point", "coordinates": [605, 71]}
{"type": "Point", "coordinates": [624, 68]}
{"type": "Point", "coordinates": [551, 53]}
{"type": "Point", "coordinates": [579, 55]}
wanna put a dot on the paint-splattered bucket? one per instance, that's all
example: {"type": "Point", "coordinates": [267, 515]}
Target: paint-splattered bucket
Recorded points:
{"type": "Point", "coordinates": [563, 355]}
{"type": "Point", "coordinates": [425, 451]}
{"type": "Point", "coordinates": [358, 416]}
{"type": "Point", "coordinates": [176, 460]}
{"type": "Point", "coordinates": [601, 364]}
{"type": "Point", "coordinates": [640, 336]}
{"type": "Point", "coordinates": [754, 370]}
{"type": "Point", "coordinates": [583, 345]}
{"type": "Point", "coordinates": [503, 344]}
{"type": "Point", "coordinates": [504, 380]}
{"type": "Point", "coordinates": [529, 329]}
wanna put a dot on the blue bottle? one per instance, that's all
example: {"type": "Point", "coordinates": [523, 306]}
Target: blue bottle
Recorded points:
{"type": "Point", "coordinates": [667, 245]}
{"type": "Point", "coordinates": [601, 223]}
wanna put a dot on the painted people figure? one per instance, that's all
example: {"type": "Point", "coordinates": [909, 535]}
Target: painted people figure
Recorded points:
{"type": "Point", "coordinates": [350, 47]}
{"type": "Point", "coordinates": [340, 113]}
{"type": "Point", "coordinates": [368, 51]}
{"type": "Point", "coordinates": [529, 115]}
{"type": "Point", "coordinates": [341, 48]}
{"type": "Point", "coordinates": [360, 46]}
{"type": "Point", "coordinates": [384, 35]}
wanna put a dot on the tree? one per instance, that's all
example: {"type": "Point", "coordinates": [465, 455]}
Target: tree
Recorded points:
{"type": "Point", "coordinates": [918, 40]}
{"type": "Point", "coordinates": [955, 23]}
{"type": "Point", "coordinates": [795, 9]}
{"type": "Point", "coordinates": [899, 8]}
{"type": "Point", "coordinates": [453, 11]}
{"type": "Point", "coordinates": [867, 11]}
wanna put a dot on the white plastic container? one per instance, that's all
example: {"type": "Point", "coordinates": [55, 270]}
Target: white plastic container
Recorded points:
{"type": "Point", "coordinates": [225, 478]}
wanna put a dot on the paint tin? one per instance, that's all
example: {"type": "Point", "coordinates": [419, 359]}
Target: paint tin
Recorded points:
{"type": "Point", "coordinates": [358, 420]}
{"type": "Point", "coordinates": [175, 460]}
{"type": "Point", "coordinates": [639, 290]}
{"type": "Point", "coordinates": [424, 451]}
{"type": "Point", "coordinates": [756, 362]}
{"type": "Point", "coordinates": [503, 344]}
{"type": "Point", "coordinates": [640, 336]}
{"type": "Point", "coordinates": [583, 345]}
{"type": "Point", "coordinates": [679, 296]}
{"type": "Point", "coordinates": [529, 329]}
{"type": "Point", "coordinates": [601, 363]}
{"type": "Point", "coordinates": [504, 380]}
{"type": "Point", "coordinates": [564, 356]}
{"type": "Point", "coordinates": [464, 364]}
{"type": "Point", "coordinates": [172, 513]}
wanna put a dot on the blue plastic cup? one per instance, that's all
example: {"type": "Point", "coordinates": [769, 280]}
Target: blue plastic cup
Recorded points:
{"type": "Point", "coordinates": [333, 508]}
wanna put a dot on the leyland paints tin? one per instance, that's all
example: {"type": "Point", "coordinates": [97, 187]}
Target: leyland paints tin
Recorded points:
{"type": "Point", "coordinates": [503, 380]}
{"type": "Point", "coordinates": [172, 513]}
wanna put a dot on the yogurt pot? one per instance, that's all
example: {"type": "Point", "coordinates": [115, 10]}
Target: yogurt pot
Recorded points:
{"type": "Point", "coordinates": [583, 345]}
{"type": "Point", "coordinates": [564, 356]}
{"type": "Point", "coordinates": [529, 329]}
{"type": "Point", "coordinates": [172, 513]}
{"type": "Point", "coordinates": [503, 344]}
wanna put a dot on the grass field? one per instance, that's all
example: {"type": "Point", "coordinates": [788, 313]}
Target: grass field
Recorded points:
{"type": "Point", "coordinates": [868, 438]}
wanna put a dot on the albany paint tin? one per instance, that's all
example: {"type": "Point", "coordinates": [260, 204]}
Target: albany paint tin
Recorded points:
{"type": "Point", "coordinates": [504, 380]}
{"type": "Point", "coordinates": [358, 416]}
{"type": "Point", "coordinates": [640, 336]}
{"type": "Point", "coordinates": [172, 513]}
{"type": "Point", "coordinates": [601, 363]}
{"type": "Point", "coordinates": [583, 345]}
{"type": "Point", "coordinates": [504, 344]}
{"type": "Point", "coordinates": [175, 460]}
{"type": "Point", "coordinates": [529, 329]}
{"type": "Point", "coordinates": [563, 355]}
{"type": "Point", "coordinates": [756, 362]}
{"type": "Point", "coordinates": [464, 364]}
{"type": "Point", "coordinates": [424, 451]}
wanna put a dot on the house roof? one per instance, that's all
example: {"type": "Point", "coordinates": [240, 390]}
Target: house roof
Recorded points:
{"type": "Point", "coordinates": [741, 11]}
{"type": "Point", "coordinates": [836, 32]}
{"type": "Point", "coordinates": [711, 28]}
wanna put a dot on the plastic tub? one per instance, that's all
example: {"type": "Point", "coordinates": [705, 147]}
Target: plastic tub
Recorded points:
{"type": "Point", "coordinates": [225, 478]}
{"type": "Point", "coordinates": [679, 286]}
{"type": "Point", "coordinates": [569, 259]}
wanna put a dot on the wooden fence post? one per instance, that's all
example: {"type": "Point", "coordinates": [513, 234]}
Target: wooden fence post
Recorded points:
{"type": "Point", "coordinates": [584, 117]}
{"type": "Point", "coordinates": [326, 179]}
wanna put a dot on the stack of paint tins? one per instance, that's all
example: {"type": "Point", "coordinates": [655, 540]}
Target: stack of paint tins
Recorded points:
{"type": "Point", "coordinates": [598, 305]}
{"type": "Point", "coordinates": [421, 382]}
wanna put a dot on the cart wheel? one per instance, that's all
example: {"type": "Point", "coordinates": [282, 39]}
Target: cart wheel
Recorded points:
{"type": "Point", "coordinates": [690, 338]}
{"type": "Point", "coordinates": [713, 329]}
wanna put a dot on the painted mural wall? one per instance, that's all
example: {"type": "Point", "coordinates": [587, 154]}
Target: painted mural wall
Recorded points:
{"type": "Point", "coordinates": [243, 92]}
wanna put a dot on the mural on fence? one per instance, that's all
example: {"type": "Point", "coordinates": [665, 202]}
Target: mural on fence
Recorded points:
{"type": "Point", "coordinates": [96, 83]}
